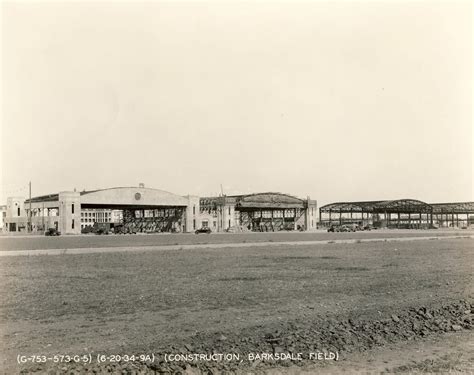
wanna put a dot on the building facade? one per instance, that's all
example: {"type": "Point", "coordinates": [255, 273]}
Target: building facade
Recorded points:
{"type": "Point", "coordinates": [140, 209]}
{"type": "Point", "coordinates": [260, 212]}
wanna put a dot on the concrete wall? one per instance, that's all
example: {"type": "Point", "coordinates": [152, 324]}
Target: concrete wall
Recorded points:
{"type": "Point", "coordinates": [15, 214]}
{"type": "Point", "coordinates": [311, 217]}
{"type": "Point", "coordinates": [3, 212]}
{"type": "Point", "coordinates": [192, 213]}
{"type": "Point", "coordinates": [13, 203]}
{"type": "Point", "coordinates": [228, 217]}
{"type": "Point", "coordinates": [69, 212]}
{"type": "Point", "coordinates": [211, 220]}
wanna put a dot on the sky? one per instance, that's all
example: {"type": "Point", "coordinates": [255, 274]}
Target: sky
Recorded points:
{"type": "Point", "coordinates": [338, 101]}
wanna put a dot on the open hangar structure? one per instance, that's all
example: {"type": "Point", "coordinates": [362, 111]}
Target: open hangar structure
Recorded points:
{"type": "Point", "coordinates": [143, 209]}
{"type": "Point", "coordinates": [400, 213]}
{"type": "Point", "coordinates": [259, 212]}
{"type": "Point", "coordinates": [453, 214]}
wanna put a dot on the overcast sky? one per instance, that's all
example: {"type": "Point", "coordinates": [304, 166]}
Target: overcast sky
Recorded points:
{"type": "Point", "coordinates": [339, 101]}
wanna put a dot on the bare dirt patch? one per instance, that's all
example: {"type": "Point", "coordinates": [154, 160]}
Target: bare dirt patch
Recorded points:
{"type": "Point", "coordinates": [337, 296]}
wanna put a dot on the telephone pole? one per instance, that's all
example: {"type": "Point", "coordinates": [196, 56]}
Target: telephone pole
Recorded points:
{"type": "Point", "coordinates": [29, 214]}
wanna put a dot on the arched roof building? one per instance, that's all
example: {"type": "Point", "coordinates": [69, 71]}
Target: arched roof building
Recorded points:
{"type": "Point", "coordinates": [396, 213]}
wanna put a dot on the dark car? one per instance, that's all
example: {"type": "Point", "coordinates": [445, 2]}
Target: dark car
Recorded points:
{"type": "Point", "coordinates": [52, 232]}
{"type": "Point", "coordinates": [203, 230]}
{"type": "Point", "coordinates": [333, 228]}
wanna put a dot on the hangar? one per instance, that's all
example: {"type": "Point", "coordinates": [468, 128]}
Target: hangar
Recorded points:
{"type": "Point", "coordinates": [143, 210]}
{"type": "Point", "coordinates": [401, 213]}
{"type": "Point", "coordinates": [453, 214]}
{"type": "Point", "coordinates": [260, 212]}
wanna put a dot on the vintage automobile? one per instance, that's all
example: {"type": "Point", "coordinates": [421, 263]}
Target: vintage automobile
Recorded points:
{"type": "Point", "coordinates": [52, 232]}
{"type": "Point", "coordinates": [203, 230]}
{"type": "Point", "coordinates": [346, 228]}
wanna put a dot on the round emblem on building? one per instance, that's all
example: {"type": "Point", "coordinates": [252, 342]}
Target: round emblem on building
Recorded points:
{"type": "Point", "coordinates": [138, 196]}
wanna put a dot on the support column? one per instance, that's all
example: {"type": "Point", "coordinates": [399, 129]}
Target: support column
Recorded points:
{"type": "Point", "coordinates": [69, 212]}
{"type": "Point", "coordinates": [294, 218]}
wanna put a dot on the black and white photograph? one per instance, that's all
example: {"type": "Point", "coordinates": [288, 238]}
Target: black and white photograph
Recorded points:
{"type": "Point", "coordinates": [259, 187]}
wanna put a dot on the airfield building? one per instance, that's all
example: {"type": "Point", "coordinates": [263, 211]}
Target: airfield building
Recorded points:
{"type": "Point", "coordinates": [400, 213]}
{"type": "Point", "coordinates": [140, 209]}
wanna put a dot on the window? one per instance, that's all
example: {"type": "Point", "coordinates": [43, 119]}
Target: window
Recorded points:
{"type": "Point", "coordinates": [229, 210]}
{"type": "Point", "coordinates": [72, 208]}
{"type": "Point", "coordinates": [205, 223]}
{"type": "Point", "coordinates": [214, 223]}
{"type": "Point", "coordinates": [229, 223]}
{"type": "Point", "coordinates": [18, 211]}
{"type": "Point", "coordinates": [194, 223]}
{"type": "Point", "coordinates": [194, 210]}
{"type": "Point", "coordinates": [72, 224]}
{"type": "Point", "coordinates": [289, 213]}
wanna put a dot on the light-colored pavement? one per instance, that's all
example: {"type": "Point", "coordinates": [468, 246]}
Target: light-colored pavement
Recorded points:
{"type": "Point", "coordinates": [82, 250]}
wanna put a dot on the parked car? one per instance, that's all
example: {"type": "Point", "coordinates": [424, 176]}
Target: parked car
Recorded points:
{"type": "Point", "coordinates": [203, 230]}
{"type": "Point", "coordinates": [351, 227]}
{"type": "Point", "coordinates": [333, 228]}
{"type": "Point", "coordinates": [101, 231]}
{"type": "Point", "coordinates": [346, 228]}
{"type": "Point", "coordinates": [52, 232]}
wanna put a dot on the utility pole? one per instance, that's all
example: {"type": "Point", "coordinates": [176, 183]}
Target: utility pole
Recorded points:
{"type": "Point", "coordinates": [29, 216]}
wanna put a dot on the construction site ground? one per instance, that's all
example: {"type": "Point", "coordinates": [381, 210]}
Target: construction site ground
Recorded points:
{"type": "Point", "coordinates": [379, 300]}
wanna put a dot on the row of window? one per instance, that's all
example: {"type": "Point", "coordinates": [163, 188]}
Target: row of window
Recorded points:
{"type": "Point", "coordinates": [94, 214]}
{"type": "Point", "coordinates": [166, 212]}
{"type": "Point", "coordinates": [205, 224]}
{"type": "Point", "coordinates": [93, 220]}
{"type": "Point", "coordinates": [276, 213]}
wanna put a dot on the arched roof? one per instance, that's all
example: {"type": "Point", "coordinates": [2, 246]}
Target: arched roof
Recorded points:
{"type": "Point", "coordinates": [399, 205]}
{"type": "Point", "coordinates": [455, 207]}
{"type": "Point", "coordinates": [132, 196]}
{"type": "Point", "coordinates": [269, 200]}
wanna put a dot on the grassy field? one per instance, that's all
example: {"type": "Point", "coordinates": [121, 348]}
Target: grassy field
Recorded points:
{"type": "Point", "coordinates": [152, 300]}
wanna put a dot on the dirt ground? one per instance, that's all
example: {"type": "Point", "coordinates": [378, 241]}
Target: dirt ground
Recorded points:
{"type": "Point", "coordinates": [333, 297]}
